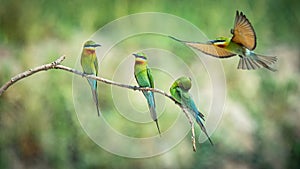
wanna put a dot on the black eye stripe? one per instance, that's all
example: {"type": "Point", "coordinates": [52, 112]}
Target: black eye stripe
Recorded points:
{"type": "Point", "coordinates": [216, 41]}
{"type": "Point", "coordinates": [89, 46]}
{"type": "Point", "coordinates": [95, 45]}
{"type": "Point", "coordinates": [142, 57]}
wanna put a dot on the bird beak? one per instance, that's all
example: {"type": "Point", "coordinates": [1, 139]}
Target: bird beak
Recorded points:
{"type": "Point", "coordinates": [213, 41]}
{"type": "Point", "coordinates": [140, 56]}
{"type": "Point", "coordinates": [97, 45]}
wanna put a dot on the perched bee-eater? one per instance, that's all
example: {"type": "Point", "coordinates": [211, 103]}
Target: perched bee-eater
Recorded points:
{"type": "Point", "coordinates": [89, 65]}
{"type": "Point", "coordinates": [242, 43]}
{"type": "Point", "coordinates": [144, 78]}
{"type": "Point", "coordinates": [180, 92]}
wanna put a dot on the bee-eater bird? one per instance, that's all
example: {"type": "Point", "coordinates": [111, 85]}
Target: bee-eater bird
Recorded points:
{"type": "Point", "coordinates": [144, 78]}
{"type": "Point", "coordinates": [89, 64]}
{"type": "Point", "coordinates": [242, 43]}
{"type": "Point", "coordinates": [180, 92]}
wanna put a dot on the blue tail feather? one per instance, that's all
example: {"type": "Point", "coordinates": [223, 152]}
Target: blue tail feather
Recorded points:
{"type": "Point", "coordinates": [93, 84]}
{"type": "Point", "coordinates": [151, 104]}
{"type": "Point", "coordinates": [199, 121]}
{"type": "Point", "coordinates": [199, 117]}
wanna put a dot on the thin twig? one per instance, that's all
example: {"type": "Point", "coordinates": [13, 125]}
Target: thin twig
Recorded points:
{"type": "Point", "coordinates": [57, 65]}
{"type": "Point", "coordinates": [192, 126]}
{"type": "Point", "coordinates": [29, 73]}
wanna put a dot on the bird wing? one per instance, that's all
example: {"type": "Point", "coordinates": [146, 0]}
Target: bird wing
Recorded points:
{"type": "Point", "coordinates": [207, 48]}
{"type": "Point", "coordinates": [190, 104]}
{"type": "Point", "coordinates": [96, 65]}
{"type": "Point", "coordinates": [243, 32]}
{"type": "Point", "coordinates": [150, 77]}
{"type": "Point", "coordinates": [142, 78]}
{"type": "Point", "coordinates": [210, 49]}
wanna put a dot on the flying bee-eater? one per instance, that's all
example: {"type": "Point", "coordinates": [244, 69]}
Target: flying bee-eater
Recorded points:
{"type": "Point", "coordinates": [180, 92]}
{"type": "Point", "coordinates": [89, 64]}
{"type": "Point", "coordinates": [242, 43]}
{"type": "Point", "coordinates": [144, 78]}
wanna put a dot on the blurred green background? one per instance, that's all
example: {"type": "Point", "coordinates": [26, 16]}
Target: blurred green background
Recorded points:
{"type": "Point", "coordinates": [260, 127]}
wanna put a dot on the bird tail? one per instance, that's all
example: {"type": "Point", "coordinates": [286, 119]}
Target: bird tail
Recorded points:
{"type": "Point", "coordinates": [199, 118]}
{"type": "Point", "coordinates": [151, 104]}
{"type": "Point", "coordinates": [93, 84]}
{"type": "Point", "coordinates": [257, 61]}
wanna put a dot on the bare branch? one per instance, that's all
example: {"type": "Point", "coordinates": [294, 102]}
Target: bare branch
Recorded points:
{"type": "Point", "coordinates": [29, 73]}
{"type": "Point", "coordinates": [57, 65]}
{"type": "Point", "coordinates": [192, 126]}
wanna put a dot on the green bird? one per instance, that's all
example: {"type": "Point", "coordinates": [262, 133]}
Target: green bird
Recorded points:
{"type": "Point", "coordinates": [242, 43]}
{"type": "Point", "coordinates": [180, 92]}
{"type": "Point", "coordinates": [89, 64]}
{"type": "Point", "coordinates": [144, 78]}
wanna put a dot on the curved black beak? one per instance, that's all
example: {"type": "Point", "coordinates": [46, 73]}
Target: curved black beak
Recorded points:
{"type": "Point", "coordinates": [96, 45]}
{"type": "Point", "coordinates": [139, 56]}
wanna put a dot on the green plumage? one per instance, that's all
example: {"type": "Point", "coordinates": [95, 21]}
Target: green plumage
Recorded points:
{"type": "Point", "coordinates": [180, 92]}
{"type": "Point", "coordinates": [144, 78]}
{"type": "Point", "coordinates": [89, 63]}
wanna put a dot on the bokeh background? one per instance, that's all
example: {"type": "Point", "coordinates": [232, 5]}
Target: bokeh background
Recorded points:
{"type": "Point", "coordinates": [39, 128]}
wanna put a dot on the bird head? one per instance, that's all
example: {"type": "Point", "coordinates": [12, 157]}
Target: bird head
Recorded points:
{"type": "Point", "coordinates": [140, 57]}
{"type": "Point", "coordinates": [91, 45]}
{"type": "Point", "coordinates": [184, 83]}
{"type": "Point", "coordinates": [220, 41]}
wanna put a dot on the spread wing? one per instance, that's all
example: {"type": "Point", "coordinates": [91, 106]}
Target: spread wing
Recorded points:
{"type": "Point", "coordinates": [207, 48]}
{"type": "Point", "coordinates": [243, 32]}
{"type": "Point", "coordinates": [211, 49]}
